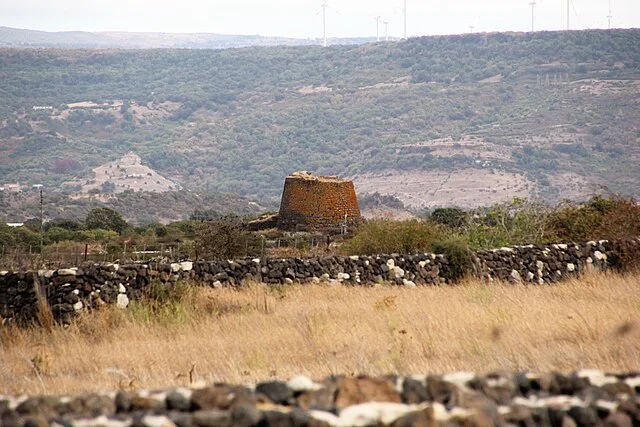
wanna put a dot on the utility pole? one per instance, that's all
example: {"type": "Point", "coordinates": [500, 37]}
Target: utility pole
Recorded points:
{"type": "Point", "coordinates": [533, 4]}
{"type": "Point", "coordinates": [378, 27]}
{"type": "Point", "coordinates": [324, 22]}
{"type": "Point", "coordinates": [405, 19]}
{"type": "Point", "coordinates": [41, 222]}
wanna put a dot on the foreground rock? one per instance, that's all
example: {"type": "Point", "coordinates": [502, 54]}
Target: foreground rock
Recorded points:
{"type": "Point", "coordinates": [583, 398]}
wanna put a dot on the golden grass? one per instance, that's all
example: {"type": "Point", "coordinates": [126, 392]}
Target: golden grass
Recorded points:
{"type": "Point", "coordinates": [260, 333]}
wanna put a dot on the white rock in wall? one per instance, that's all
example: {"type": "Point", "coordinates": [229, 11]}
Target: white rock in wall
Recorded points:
{"type": "Point", "coordinates": [374, 413]}
{"type": "Point", "coordinates": [175, 267]}
{"type": "Point", "coordinates": [515, 275]}
{"type": "Point", "coordinates": [186, 266]}
{"type": "Point", "coordinates": [397, 272]}
{"type": "Point", "coordinates": [78, 306]}
{"type": "Point", "coordinates": [122, 301]}
{"type": "Point", "coordinates": [157, 421]}
{"type": "Point", "coordinates": [408, 283]}
{"type": "Point", "coordinates": [571, 267]}
{"type": "Point", "coordinates": [301, 383]}
{"type": "Point", "coordinates": [122, 289]}
{"type": "Point", "coordinates": [600, 256]}
{"type": "Point", "coordinates": [391, 263]}
{"type": "Point", "coordinates": [101, 420]}
{"type": "Point", "coordinates": [67, 271]}
{"type": "Point", "coordinates": [344, 276]}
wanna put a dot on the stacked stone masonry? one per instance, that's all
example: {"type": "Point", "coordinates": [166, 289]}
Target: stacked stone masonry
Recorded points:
{"type": "Point", "coordinates": [69, 291]}
{"type": "Point", "coordinates": [582, 398]}
{"type": "Point", "coordinates": [314, 202]}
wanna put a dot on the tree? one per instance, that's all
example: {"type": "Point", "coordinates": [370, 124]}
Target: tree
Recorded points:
{"type": "Point", "coordinates": [108, 187]}
{"type": "Point", "coordinates": [225, 238]}
{"type": "Point", "coordinates": [105, 218]}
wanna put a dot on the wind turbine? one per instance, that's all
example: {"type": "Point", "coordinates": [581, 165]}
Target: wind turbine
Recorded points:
{"type": "Point", "coordinates": [473, 25]}
{"type": "Point", "coordinates": [378, 18]}
{"type": "Point", "coordinates": [324, 6]}
{"type": "Point", "coordinates": [533, 5]}
{"type": "Point", "coordinates": [404, 11]}
{"type": "Point", "coordinates": [609, 16]}
{"type": "Point", "coordinates": [386, 30]}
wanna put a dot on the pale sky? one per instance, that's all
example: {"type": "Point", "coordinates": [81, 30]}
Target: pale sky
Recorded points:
{"type": "Point", "coordinates": [303, 18]}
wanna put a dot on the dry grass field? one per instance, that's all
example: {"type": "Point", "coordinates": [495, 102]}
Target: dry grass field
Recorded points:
{"type": "Point", "coordinates": [259, 333]}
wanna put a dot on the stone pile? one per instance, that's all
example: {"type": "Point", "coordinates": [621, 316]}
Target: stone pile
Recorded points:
{"type": "Point", "coordinates": [583, 398]}
{"type": "Point", "coordinates": [71, 290]}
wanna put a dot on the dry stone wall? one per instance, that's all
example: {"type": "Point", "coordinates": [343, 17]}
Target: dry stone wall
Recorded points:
{"type": "Point", "coordinates": [582, 398]}
{"type": "Point", "coordinates": [72, 290]}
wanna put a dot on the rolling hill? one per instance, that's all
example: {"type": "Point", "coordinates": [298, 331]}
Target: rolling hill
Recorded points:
{"type": "Point", "coordinates": [451, 120]}
{"type": "Point", "coordinates": [22, 38]}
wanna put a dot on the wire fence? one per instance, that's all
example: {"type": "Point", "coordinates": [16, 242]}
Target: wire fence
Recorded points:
{"type": "Point", "coordinates": [58, 256]}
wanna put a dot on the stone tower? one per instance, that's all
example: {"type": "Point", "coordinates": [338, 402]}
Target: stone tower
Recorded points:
{"type": "Point", "coordinates": [312, 202]}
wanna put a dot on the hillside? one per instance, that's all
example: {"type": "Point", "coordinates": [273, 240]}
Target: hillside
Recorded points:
{"type": "Point", "coordinates": [451, 120]}
{"type": "Point", "coordinates": [21, 38]}
{"type": "Point", "coordinates": [139, 208]}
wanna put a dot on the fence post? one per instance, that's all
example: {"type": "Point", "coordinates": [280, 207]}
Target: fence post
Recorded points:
{"type": "Point", "coordinates": [86, 250]}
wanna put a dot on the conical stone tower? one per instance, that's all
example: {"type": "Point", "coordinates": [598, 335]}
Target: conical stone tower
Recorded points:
{"type": "Point", "coordinates": [313, 202]}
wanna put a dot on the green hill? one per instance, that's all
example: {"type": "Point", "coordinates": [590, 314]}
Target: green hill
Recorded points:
{"type": "Point", "coordinates": [553, 114]}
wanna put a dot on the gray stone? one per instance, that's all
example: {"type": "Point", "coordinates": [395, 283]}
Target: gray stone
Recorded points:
{"type": "Point", "coordinates": [277, 391]}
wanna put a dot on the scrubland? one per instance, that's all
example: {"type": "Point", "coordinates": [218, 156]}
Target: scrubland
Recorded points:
{"type": "Point", "coordinates": [194, 334]}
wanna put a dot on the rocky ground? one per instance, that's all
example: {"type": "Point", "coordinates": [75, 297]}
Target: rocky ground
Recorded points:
{"type": "Point", "coordinates": [583, 398]}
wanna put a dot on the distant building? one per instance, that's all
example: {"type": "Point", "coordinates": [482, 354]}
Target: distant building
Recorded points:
{"type": "Point", "coordinates": [12, 187]}
{"type": "Point", "coordinates": [43, 107]}
{"type": "Point", "coordinates": [15, 224]}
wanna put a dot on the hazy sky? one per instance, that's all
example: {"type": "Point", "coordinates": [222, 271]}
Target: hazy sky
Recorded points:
{"type": "Point", "coordinates": [303, 18]}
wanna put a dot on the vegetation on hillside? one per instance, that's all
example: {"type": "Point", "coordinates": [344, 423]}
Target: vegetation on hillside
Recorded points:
{"type": "Point", "coordinates": [240, 120]}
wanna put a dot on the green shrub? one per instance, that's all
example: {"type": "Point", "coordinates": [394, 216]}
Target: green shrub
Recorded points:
{"type": "Point", "coordinates": [614, 217]}
{"type": "Point", "coordinates": [387, 236]}
{"type": "Point", "coordinates": [225, 239]}
{"type": "Point", "coordinates": [458, 254]}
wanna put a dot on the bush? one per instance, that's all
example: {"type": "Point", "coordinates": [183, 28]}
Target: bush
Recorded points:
{"type": "Point", "coordinates": [225, 239]}
{"type": "Point", "coordinates": [458, 254]}
{"type": "Point", "coordinates": [614, 217]}
{"type": "Point", "coordinates": [387, 236]}
{"type": "Point", "coordinates": [451, 217]}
